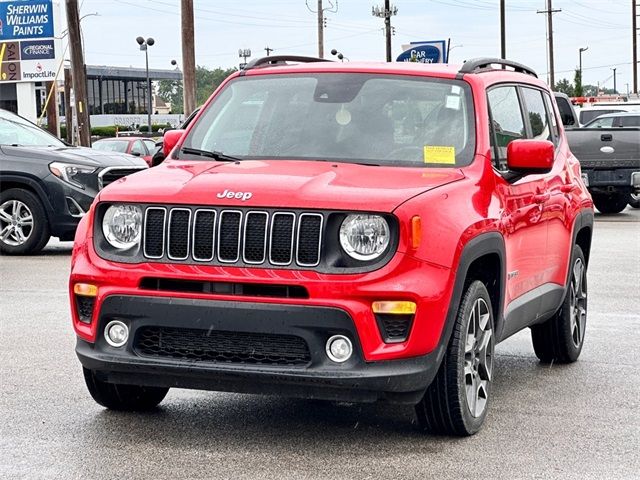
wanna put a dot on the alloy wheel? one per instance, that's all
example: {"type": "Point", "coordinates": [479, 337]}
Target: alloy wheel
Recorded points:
{"type": "Point", "coordinates": [16, 223]}
{"type": "Point", "coordinates": [578, 302]}
{"type": "Point", "coordinates": [478, 357]}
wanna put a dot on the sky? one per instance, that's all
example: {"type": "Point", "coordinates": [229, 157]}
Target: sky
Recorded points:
{"type": "Point", "coordinates": [289, 27]}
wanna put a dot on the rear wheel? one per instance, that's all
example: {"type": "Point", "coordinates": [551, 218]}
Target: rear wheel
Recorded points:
{"type": "Point", "coordinates": [116, 396]}
{"type": "Point", "coordinates": [23, 223]}
{"type": "Point", "coordinates": [560, 338]}
{"type": "Point", "coordinates": [634, 200]}
{"type": "Point", "coordinates": [610, 202]}
{"type": "Point", "coordinates": [456, 401]}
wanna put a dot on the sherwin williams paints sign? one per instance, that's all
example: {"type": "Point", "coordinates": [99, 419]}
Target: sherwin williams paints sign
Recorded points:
{"type": "Point", "coordinates": [28, 50]}
{"type": "Point", "coordinates": [424, 52]}
{"type": "Point", "coordinates": [26, 19]}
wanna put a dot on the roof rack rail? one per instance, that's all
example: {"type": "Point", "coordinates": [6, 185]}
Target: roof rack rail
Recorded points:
{"type": "Point", "coordinates": [477, 65]}
{"type": "Point", "coordinates": [280, 59]}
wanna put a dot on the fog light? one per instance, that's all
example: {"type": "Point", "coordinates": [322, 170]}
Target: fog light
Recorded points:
{"type": "Point", "coordinates": [339, 348]}
{"type": "Point", "coordinates": [116, 333]}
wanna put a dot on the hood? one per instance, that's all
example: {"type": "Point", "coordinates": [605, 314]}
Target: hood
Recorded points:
{"type": "Point", "coordinates": [80, 155]}
{"type": "Point", "coordinates": [279, 184]}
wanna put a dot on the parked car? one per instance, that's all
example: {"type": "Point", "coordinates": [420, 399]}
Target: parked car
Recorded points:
{"type": "Point", "coordinates": [158, 156]}
{"type": "Point", "coordinates": [46, 186]}
{"type": "Point", "coordinates": [141, 147]}
{"type": "Point", "coordinates": [362, 232]}
{"type": "Point", "coordinates": [616, 120]}
{"type": "Point", "coordinates": [609, 156]}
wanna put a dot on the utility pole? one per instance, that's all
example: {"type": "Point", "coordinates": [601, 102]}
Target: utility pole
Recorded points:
{"type": "Point", "coordinates": [52, 108]}
{"type": "Point", "coordinates": [615, 88]}
{"type": "Point", "coordinates": [188, 57]}
{"type": "Point", "coordinates": [320, 11]}
{"type": "Point", "coordinates": [68, 114]}
{"type": "Point", "coordinates": [550, 11]}
{"type": "Point", "coordinates": [386, 13]}
{"type": "Point", "coordinates": [268, 50]}
{"type": "Point", "coordinates": [79, 74]}
{"type": "Point", "coordinates": [634, 44]}
{"type": "Point", "coordinates": [320, 30]}
{"type": "Point", "coordinates": [503, 32]}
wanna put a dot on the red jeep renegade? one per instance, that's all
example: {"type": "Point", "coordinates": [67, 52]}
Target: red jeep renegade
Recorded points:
{"type": "Point", "coordinates": [341, 231]}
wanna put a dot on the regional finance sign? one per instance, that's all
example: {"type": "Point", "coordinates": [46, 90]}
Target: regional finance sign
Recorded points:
{"type": "Point", "coordinates": [29, 51]}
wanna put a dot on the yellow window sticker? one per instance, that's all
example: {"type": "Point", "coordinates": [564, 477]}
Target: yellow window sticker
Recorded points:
{"type": "Point", "coordinates": [440, 154]}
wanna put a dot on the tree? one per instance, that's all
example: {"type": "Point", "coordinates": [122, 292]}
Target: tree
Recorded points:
{"type": "Point", "coordinates": [171, 91]}
{"type": "Point", "coordinates": [578, 90]}
{"type": "Point", "coordinates": [206, 82]}
{"type": "Point", "coordinates": [564, 86]}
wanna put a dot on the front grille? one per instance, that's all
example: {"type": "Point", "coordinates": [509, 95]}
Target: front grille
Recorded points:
{"type": "Point", "coordinates": [216, 346]}
{"type": "Point", "coordinates": [111, 174]}
{"type": "Point", "coordinates": [220, 236]}
{"type": "Point", "coordinates": [224, 288]}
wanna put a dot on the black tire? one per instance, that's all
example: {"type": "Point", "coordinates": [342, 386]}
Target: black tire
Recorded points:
{"type": "Point", "coordinates": [560, 339]}
{"type": "Point", "coordinates": [123, 397]}
{"type": "Point", "coordinates": [609, 203]}
{"type": "Point", "coordinates": [38, 232]}
{"type": "Point", "coordinates": [445, 408]}
{"type": "Point", "coordinates": [634, 200]}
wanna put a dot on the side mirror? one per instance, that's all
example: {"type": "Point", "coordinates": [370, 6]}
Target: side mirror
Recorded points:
{"type": "Point", "coordinates": [136, 154]}
{"type": "Point", "coordinates": [171, 139]}
{"type": "Point", "coordinates": [530, 156]}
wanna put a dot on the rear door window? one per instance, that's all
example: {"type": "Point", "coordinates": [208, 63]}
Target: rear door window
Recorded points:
{"type": "Point", "coordinates": [629, 121]}
{"type": "Point", "coordinates": [537, 114]}
{"type": "Point", "coordinates": [507, 122]}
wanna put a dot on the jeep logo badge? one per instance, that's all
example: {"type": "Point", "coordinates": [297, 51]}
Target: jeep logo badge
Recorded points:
{"type": "Point", "coordinates": [244, 196]}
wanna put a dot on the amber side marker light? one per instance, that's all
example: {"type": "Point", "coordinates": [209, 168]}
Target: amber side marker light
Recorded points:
{"type": "Point", "coordinates": [394, 308]}
{"type": "Point", "coordinates": [416, 232]}
{"type": "Point", "coordinates": [85, 294]}
{"type": "Point", "coordinates": [85, 290]}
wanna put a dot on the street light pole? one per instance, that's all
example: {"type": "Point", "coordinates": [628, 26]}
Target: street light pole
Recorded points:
{"type": "Point", "coordinates": [144, 46]}
{"type": "Point", "coordinates": [580, 55]}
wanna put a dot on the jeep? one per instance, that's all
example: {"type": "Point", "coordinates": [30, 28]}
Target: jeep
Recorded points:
{"type": "Point", "coordinates": [352, 232]}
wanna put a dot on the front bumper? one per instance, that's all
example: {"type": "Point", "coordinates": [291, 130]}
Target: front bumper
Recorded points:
{"type": "Point", "coordinates": [401, 381]}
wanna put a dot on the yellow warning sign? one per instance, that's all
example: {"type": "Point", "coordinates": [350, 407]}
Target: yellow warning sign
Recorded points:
{"type": "Point", "coordinates": [440, 154]}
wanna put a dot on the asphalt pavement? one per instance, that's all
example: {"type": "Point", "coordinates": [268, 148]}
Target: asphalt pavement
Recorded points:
{"type": "Point", "coordinates": [579, 421]}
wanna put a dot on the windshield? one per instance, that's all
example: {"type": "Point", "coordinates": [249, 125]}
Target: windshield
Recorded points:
{"type": "Point", "coordinates": [15, 130]}
{"type": "Point", "coordinates": [359, 118]}
{"type": "Point", "coordinates": [112, 145]}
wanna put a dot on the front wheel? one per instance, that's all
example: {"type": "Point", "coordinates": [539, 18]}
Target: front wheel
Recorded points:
{"type": "Point", "coordinates": [609, 203]}
{"type": "Point", "coordinates": [634, 200]}
{"type": "Point", "coordinates": [456, 401]}
{"type": "Point", "coordinates": [23, 223]}
{"type": "Point", "coordinates": [560, 338]}
{"type": "Point", "coordinates": [115, 396]}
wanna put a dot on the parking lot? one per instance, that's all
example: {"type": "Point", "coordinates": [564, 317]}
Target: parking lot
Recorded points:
{"type": "Point", "coordinates": [574, 421]}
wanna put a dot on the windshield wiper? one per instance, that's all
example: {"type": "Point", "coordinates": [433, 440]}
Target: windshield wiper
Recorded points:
{"type": "Point", "coordinates": [221, 157]}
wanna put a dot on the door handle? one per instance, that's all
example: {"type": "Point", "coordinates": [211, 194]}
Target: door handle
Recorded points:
{"type": "Point", "coordinates": [541, 197]}
{"type": "Point", "coordinates": [606, 137]}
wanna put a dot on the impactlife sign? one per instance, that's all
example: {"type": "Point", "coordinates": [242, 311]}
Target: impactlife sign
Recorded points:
{"type": "Point", "coordinates": [29, 51]}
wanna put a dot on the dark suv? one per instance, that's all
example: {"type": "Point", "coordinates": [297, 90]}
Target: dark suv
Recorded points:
{"type": "Point", "coordinates": [344, 231]}
{"type": "Point", "coordinates": [46, 186]}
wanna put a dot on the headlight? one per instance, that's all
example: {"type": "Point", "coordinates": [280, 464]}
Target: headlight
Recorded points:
{"type": "Point", "coordinates": [364, 237]}
{"type": "Point", "coordinates": [71, 173]}
{"type": "Point", "coordinates": [122, 225]}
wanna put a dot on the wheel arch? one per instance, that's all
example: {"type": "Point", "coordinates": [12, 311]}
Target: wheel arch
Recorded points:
{"type": "Point", "coordinates": [482, 258]}
{"type": "Point", "coordinates": [583, 232]}
{"type": "Point", "coordinates": [8, 182]}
